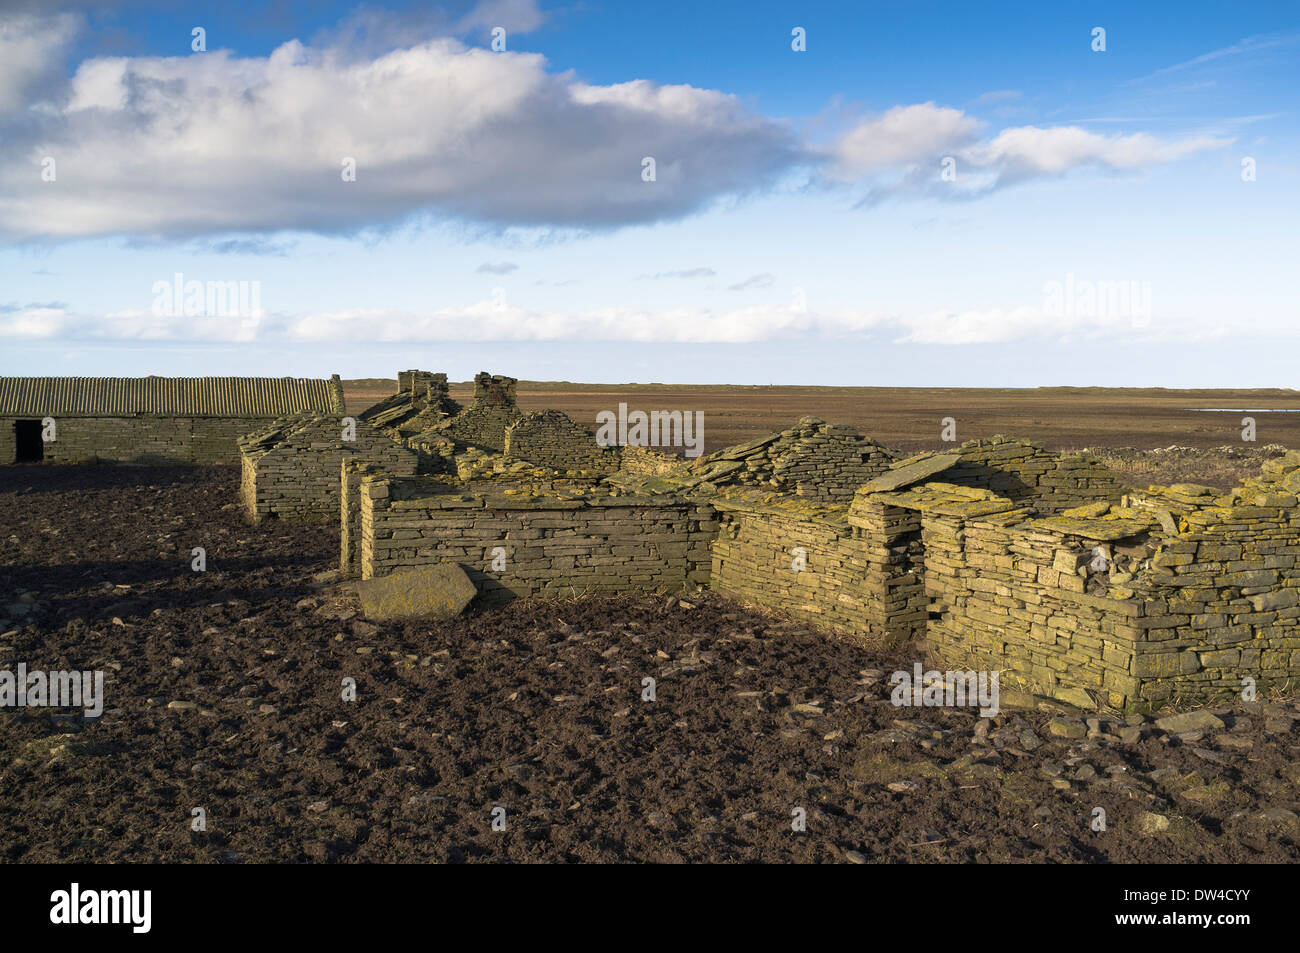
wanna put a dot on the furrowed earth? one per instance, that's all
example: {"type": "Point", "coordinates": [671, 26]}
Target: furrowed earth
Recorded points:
{"type": "Point", "coordinates": [224, 692]}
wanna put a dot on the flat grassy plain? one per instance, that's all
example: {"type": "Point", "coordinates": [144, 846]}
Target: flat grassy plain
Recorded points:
{"type": "Point", "coordinates": [1060, 418]}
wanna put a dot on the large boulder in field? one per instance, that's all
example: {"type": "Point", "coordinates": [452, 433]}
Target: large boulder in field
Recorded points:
{"type": "Point", "coordinates": [439, 592]}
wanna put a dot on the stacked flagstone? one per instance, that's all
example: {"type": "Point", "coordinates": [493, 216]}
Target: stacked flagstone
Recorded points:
{"type": "Point", "coordinates": [814, 459]}
{"type": "Point", "coordinates": [1022, 471]}
{"type": "Point", "coordinates": [483, 424]}
{"type": "Point", "coordinates": [516, 545]}
{"type": "Point", "coordinates": [291, 469]}
{"type": "Point", "coordinates": [646, 461]}
{"type": "Point", "coordinates": [806, 561]}
{"type": "Point", "coordinates": [550, 438]}
{"type": "Point", "coordinates": [423, 400]}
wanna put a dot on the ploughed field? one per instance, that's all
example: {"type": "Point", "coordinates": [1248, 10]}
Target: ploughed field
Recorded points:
{"type": "Point", "coordinates": [224, 693]}
{"type": "Point", "coordinates": [1059, 418]}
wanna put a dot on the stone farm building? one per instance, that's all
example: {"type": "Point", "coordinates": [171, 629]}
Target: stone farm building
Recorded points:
{"type": "Point", "coordinates": [290, 469]}
{"type": "Point", "coordinates": [995, 555]}
{"type": "Point", "coordinates": [196, 420]}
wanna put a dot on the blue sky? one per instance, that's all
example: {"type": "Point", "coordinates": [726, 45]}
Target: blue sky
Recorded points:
{"type": "Point", "coordinates": [924, 196]}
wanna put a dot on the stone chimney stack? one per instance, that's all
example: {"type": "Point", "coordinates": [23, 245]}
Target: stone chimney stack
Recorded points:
{"type": "Point", "coordinates": [494, 390]}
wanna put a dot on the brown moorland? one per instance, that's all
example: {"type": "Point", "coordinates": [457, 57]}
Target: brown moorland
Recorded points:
{"type": "Point", "coordinates": [909, 419]}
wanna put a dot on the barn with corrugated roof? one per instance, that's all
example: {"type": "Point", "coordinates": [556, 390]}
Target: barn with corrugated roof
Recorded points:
{"type": "Point", "coordinates": [148, 419]}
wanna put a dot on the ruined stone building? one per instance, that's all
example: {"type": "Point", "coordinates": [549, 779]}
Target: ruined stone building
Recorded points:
{"type": "Point", "coordinates": [995, 555]}
{"type": "Point", "coordinates": [195, 420]}
{"type": "Point", "coordinates": [290, 469]}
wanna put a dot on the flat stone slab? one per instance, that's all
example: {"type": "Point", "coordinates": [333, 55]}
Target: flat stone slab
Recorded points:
{"type": "Point", "coordinates": [914, 472]}
{"type": "Point", "coordinates": [438, 592]}
{"type": "Point", "coordinates": [1190, 721]}
{"type": "Point", "coordinates": [1101, 530]}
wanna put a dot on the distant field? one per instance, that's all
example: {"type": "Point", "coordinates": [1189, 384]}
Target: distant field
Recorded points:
{"type": "Point", "coordinates": [909, 418]}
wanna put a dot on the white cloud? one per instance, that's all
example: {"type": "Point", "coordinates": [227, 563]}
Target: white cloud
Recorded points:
{"type": "Point", "coordinates": [30, 49]}
{"type": "Point", "coordinates": [1031, 151]}
{"type": "Point", "coordinates": [901, 136]}
{"type": "Point", "coordinates": [490, 321]}
{"type": "Point", "coordinates": [901, 153]}
{"type": "Point", "coordinates": [212, 142]}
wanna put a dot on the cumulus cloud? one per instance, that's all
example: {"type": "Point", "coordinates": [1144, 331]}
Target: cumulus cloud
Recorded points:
{"type": "Point", "coordinates": [902, 152]}
{"type": "Point", "coordinates": [218, 145]}
{"type": "Point", "coordinates": [213, 142]}
{"type": "Point", "coordinates": [31, 48]}
{"type": "Point", "coordinates": [899, 137]}
{"type": "Point", "coordinates": [1030, 151]}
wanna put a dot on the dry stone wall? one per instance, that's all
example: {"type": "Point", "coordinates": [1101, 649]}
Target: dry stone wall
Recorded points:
{"type": "Point", "coordinates": [814, 459]}
{"type": "Point", "coordinates": [550, 438]}
{"type": "Point", "coordinates": [550, 546]}
{"type": "Point", "coordinates": [291, 469]}
{"type": "Point", "coordinates": [1024, 472]}
{"type": "Point", "coordinates": [645, 461]}
{"type": "Point", "coordinates": [1004, 591]}
{"type": "Point", "coordinates": [141, 439]}
{"type": "Point", "coordinates": [485, 421]}
{"type": "Point", "coordinates": [996, 555]}
{"type": "Point", "coordinates": [812, 566]}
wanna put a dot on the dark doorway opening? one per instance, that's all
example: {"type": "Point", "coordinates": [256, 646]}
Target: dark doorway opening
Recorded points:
{"type": "Point", "coordinates": [28, 445]}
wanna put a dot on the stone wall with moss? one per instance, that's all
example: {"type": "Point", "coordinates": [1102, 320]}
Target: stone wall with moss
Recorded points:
{"type": "Point", "coordinates": [553, 546]}
{"type": "Point", "coordinates": [814, 459]}
{"type": "Point", "coordinates": [1174, 594]}
{"type": "Point", "coordinates": [550, 438]}
{"type": "Point", "coordinates": [646, 461]}
{"type": "Point", "coordinates": [139, 439]}
{"type": "Point", "coordinates": [290, 469]}
{"type": "Point", "coordinates": [996, 555]}
{"type": "Point", "coordinates": [807, 561]}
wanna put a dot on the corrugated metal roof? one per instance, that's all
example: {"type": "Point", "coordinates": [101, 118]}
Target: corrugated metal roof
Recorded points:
{"type": "Point", "coordinates": [166, 396]}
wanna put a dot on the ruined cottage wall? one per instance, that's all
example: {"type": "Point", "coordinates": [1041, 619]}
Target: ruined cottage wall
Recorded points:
{"type": "Point", "coordinates": [553, 547]}
{"type": "Point", "coordinates": [550, 438]}
{"type": "Point", "coordinates": [493, 410]}
{"type": "Point", "coordinates": [814, 459]}
{"type": "Point", "coordinates": [1223, 601]}
{"type": "Point", "coordinates": [144, 439]}
{"type": "Point", "coordinates": [481, 426]}
{"type": "Point", "coordinates": [853, 580]}
{"type": "Point", "coordinates": [351, 471]}
{"type": "Point", "coordinates": [1006, 596]}
{"type": "Point", "coordinates": [1020, 471]}
{"type": "Point", "coordinates": [298, 478]}
{"type": "Point", "coordinates": [649, 462]}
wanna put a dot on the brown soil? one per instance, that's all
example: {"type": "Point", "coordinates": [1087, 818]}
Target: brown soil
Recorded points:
{"type": "Point", "coordinates": [1061, 418]}
{"type": "Point", "coordinates": [536, 708]}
